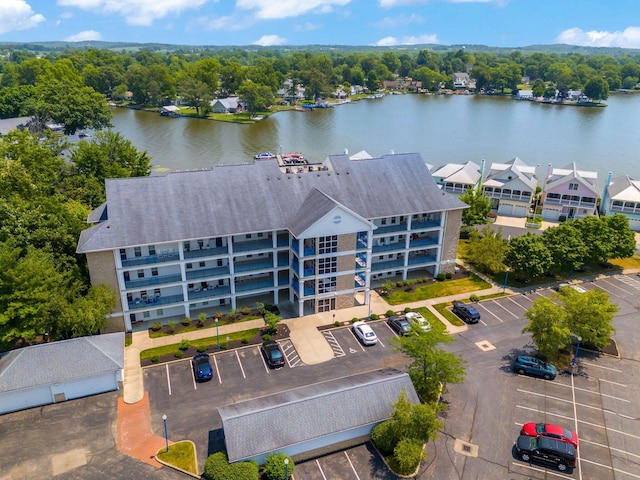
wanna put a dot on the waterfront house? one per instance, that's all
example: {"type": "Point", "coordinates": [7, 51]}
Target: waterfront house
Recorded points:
{"type": "Point", "coordinates": [622, 195]}
{"type": "Point", "coordinates": [456, 178]}
{"type": "Point", "coordinates": [569, 193]}
{"type": "Point", "coordinates": [226, 105]}
{"type": "Point", "coordinates": [461, 80]}
{"type": "Point", "coordinates": [185, 243]}
{"type": "Point", "coordinates": [511, 186]}
{"type": "Point", "coordinates": [524, 94]}
{"type": "Point", "coordinates": [8, 124]}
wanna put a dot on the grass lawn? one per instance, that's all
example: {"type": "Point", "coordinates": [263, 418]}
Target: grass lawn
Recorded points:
{"type": "Point", "coordinates": [181, 455]}
{"type": "Point", "coordinates": [194, 326]}
{"type": "Point", "coordinates": [436, 289]}
{"type": "Point", "coordinates": [443, 309]}
{"type": "Point", "coordinates": [245, 335]}
{"type": "Point", "coordinates": [436, 324]}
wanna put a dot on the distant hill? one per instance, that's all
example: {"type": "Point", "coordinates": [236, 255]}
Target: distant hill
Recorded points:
{"type": "Point", "coordinates": [560, 49]}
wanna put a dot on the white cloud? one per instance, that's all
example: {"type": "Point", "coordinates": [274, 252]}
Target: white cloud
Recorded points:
{"type": "Point", "coordinates": [137, 12]}
{"type": "Point", "coordinates": [274, 9]}
{"type": "Point", "coordinates": [66, 15]}
{"type": "Point", "coordinates": [407, 40]}
{"type": "Point", "coordinates": [17, 15]}
{"type": "Point", "coordinates": [270, 40]}
{"type": "Point", "coordinates": [628, 38]}
{"type": "Point", "coordinates": [85, 36]}
{"type": "Point", "coordinates": [404, 3]}
{"type": "Point", "coordinates": [306, 27]}
{"type": "Point", "coordinates": [398, 21]}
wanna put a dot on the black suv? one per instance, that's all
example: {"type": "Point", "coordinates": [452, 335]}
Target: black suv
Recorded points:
{"type": "Point", "coordinates": [551, 451]}
{"type": "Point", "coordinates": [466, 312]}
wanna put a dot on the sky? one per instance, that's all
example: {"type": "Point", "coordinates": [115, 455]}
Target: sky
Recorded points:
{"type": "Point", "coordinates": [495, 23]}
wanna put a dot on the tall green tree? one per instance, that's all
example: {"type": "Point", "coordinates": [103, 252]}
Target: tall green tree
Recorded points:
{"type": "Point", "coordinates": [589, 315]}
{"type": "Point", "coordinates": [479, 207]}
{"type": "Point", "coordinates": [256, 97]}
{"type": "Point", "coordinates": [568, 250]}
{"type": "Point", "coordinates": [547, 326]}
{"type": "Point", "coordinates": [528, 257]}
{"type": "Point", "coordinates": [196, 93]}
{"type": "Point", "coordinates": [487, 249]}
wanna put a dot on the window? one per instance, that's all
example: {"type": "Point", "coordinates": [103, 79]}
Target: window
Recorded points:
{"type": "Point", "coordinates": [126, 276]}
{"type": "Point", "coordinates": [137, 252]}
{"type": "Point", "coordinates": [326, 304]}
{"type": "Point", "coordinates": [146, 314]}
{"type": "Point", "coordinates": [221, 282]}
{"type": "Point", "coordinates": [154, 271]}
{"type": "Point", "coordinates": [159, 313]}
{"type": "Point", "coordinates": [202, 264]}
{"type": "Point", "coordinates": [222, 301]}
{"type": "Point", "coordinates": [247, 236]}
{"type": "Point", "coordinates": [200, 244]}
{"type": "Point", "coordinates": [260, 234]}
{"type": "Point", "coordinates": [156, 292]}
{"type": "Point", "coordinates": [219, 262]}
{"type": "Point", "coordinates": [383, 221]}
{"type": "Point", "coordinates": [123, 254]}
{"type": "Point", "coordinates": [326, 285]}
{"type": "Point", "coordinates": [189, 265]}
{"type": "Point", "coordinates": [573, 186]}
{"type": "Point", "coordinates": [140, 273]}
{"type": "Point", "coordinates": [129, 297]}
{"type": "Point", "coordinates": [328, 244]}
{"type": "Point", "coordinates": [327, 265]}
{"type": "Point", "coordinates": [187, 246]}
{"type": "Point", "coordinates": [152, 249]}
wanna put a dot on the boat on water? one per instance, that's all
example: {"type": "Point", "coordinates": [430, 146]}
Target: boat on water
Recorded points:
{"type": "Point", "coordinates": [265, 156]}
{"type": "Point", "coordinates": [293, 159]}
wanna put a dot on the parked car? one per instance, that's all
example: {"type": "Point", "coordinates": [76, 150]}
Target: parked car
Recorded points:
{"type": "Point", "coordinates": [365, 333]}
{"type": "Point", "coordinates": [400, 325]}
{"type": "Point", "coordinates": [551, 451]}
{"type": "Point", "coordinates": [577, 288]}
{"type": "Point", "coordinates": [418, 321]}
{"type": "Point", "coordinates": [468, 313]}
{"type": "Point", "coordinates": [201, 367]}
{"type": "Point", "coordinates": [535, 367]}
{"type": "Point", "coordinates": [272, 354]}
{"type": "Point", "coordinates": [550, 430]}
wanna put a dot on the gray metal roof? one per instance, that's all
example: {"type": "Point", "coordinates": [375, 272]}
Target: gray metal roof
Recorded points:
{"type": "Point", "coordinates": [239, 199]}
{"type": "Point", "coordinates": [61, 361]}
{"type": "Point", "coordinates": [272, 423]}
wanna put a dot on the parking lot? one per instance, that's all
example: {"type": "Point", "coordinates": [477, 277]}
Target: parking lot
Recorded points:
{"type": "Point", "coordinates": [485, 414]}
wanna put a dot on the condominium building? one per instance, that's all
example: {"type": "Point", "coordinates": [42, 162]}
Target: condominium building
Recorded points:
{"type": "Point", "coordinates": [183, 243]}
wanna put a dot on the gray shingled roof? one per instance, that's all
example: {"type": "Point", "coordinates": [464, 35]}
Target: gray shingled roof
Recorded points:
{"type": "Point", "coordinates": [239, 199]}
{"type": "Point", "coordinates": [61, 361]}
{"type": "Point", "coordinates": [272, 423]}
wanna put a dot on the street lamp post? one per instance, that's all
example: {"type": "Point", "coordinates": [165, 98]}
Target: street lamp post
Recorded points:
{"type": "Point", "coordinates": [217, 334]}
{"type": "Point", "coordinates": [286, 469]}
{"type": "Point", "coordinates": [506, 278]}
{"type": "Point", "coordinates": [575, 354]}
{"type": "Point", "coordinates": [166, 432]}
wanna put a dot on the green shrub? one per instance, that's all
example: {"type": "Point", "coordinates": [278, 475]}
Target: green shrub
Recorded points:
{"type": "Point", "coordinates": [562, 218]}
{"type": "Point", "coordinates": [407, 309]}
{"type": "Point", "coordinates": [179, 354]}
{"type": "Point", "coordinates": [266, 337]}
{"type": "Point", "coordinates": [246, 311]}
{"type": "Point", "coordinates": [336, 323]}
{"type": "Point", "coordinates": [440, 277]}
{"type": "Point", "coordinates": [465, 232]}
{"type": "Point", "coordinates": [374, 316]}
{"type": "Point", "coordinates": [390, 313]}
{"type": "Point", "coordinates": [400, 284]}
{"type": "Point", "coordinates": [408, 454]}
{"type": "Point", "coordinates": [424, 279]}
{"type": "Point", "coordinates": [172, 327]}
{"type": "Point", "coordinates": [216, 467]}
{"type": "Point", "coordinates": [202, 348]}
{"type": "Point", "coordinates": [274, 468]}
{"type": "Point", "coordinates": [184, 344]}
{"type": "Point", "coordinates": [244, 341]}
{"type": "Point", "coordinates": [448, 275]}
{"type": "Point", "coordinates": [224, 345]}
{"type": "Point", "coordinates": [156, 327]}
{"type": "Point", "coordinates": [186, 321]}
{"type": "Point", "coordinates": [217, 315]}
{"type": "Point", "coordinates": [388, 286]}
{"type": "Point", "coordinates": [155, 358]}
{"type": "Point", "coordinates": [474, 298]}
{"type": "Point", "coordinates": [384, 437]}
{"type": "Point", "coordinates": [201, 319]}
{"type": "Point", "coordinates": [354, 319]}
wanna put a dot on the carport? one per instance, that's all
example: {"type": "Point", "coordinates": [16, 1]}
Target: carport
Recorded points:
{"type": "Point", "coordinates": [314, 419]}
{"type": "Point", "coordinates": [59, 371]}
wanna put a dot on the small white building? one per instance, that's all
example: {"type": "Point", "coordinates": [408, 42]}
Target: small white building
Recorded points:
{"type": "Point", "coordinates": [622, 195]}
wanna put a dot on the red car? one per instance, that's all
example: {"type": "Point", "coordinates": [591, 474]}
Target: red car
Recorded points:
{"type": "Point", "coordinates": [549, 430]}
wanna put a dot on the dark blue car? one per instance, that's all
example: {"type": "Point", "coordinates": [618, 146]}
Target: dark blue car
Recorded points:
{"type": "Point", "coordinates": [201, 367]}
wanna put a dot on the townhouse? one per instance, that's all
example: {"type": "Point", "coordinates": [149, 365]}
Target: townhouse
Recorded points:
{"type": "Point", "coordinates": [183, 243]}
{"type": "Point", "coordinates": [622, 195]}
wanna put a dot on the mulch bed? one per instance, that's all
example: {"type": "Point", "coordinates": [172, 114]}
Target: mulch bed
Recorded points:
{"type": "Point", "coordinates": [459, 273]}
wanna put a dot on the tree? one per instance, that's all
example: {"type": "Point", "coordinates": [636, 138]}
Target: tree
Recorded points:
{"type": "Point", "coordinates": [85, 315]}
{"type": "Point", "coordinates": [274, 467]}
{"type": "Point", "coordinates": [624, 239]}
{"type": "Point", "coordinates": [607, 237]}
{"type": "Point", "coordinates": [430, 368]}
{"type": "Point", "coordinates": [256, 97]}
{"type": "Point", "coordinates": [479, 207]}
{"type": "Point", "coordinates": [589, 315]}
{"type": "Point", "coordinates": [271, 321]}
{"type": "Point", "coordinates": [597, 89]}
{"type": "Point", "coordinates": [568, 250]}
{"type": "Point", "coordinates": [547, 326]}
{"type": "Point", "coordinates": [487, 249]}
{"type": "Point", "coordinates": [195, 92]}
{"type": "Point", "coordinates": [527, 256]}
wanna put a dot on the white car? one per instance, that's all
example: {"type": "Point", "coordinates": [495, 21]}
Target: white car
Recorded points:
{"type": "Point", "coordinates": [418, 320]}
{"type": "Point", "coordinates": [365, 333]}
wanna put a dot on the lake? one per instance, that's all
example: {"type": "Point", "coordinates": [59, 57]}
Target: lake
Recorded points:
{"type": "Point", "coordinates": [442, 128]}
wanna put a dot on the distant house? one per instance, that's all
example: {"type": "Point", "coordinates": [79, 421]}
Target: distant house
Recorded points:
{"type": "Point", "coordinates": [462, 81]}
{"type": "Point", "coordinates": [524, 94]}
{"type": "Point", "coordinates": [569, 193]}
{"type": "Point", "coordinates": [169, 111]}
{"type": "Point", "coordinates": [456, 178]}
{"type": "Point", "coordinates": [59, 371]}
{"type": "Point", "coordinates": [622, 195]}
{"type": "Point", "coordinates": [8, 124]}
{"type": "Point", "coordinates": [511, 187]}
{"type": "Point", "coordinates": [226, 105]}
{"type": "Point", "coordinates": [308, 421]}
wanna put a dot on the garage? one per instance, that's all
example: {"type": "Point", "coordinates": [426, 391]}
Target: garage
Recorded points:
{"type": "Point", "coordinates": [58, 371]}
{"type": "Point", "coordinates": [306, 420]}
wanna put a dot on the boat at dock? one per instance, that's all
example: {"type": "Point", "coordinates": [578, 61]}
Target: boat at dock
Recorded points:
{"type": "Point", "coordinates": [265, 156]}
{"type": "Point", "coordinates": [293, 159]}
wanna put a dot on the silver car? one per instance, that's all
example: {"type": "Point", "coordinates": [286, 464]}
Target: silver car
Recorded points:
{"type": "Point", "coordinates": [414, 318]}
{"type": "Point", "coordinates": [365, 333]}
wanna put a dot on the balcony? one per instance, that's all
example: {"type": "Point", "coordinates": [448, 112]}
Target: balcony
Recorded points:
{"type": "Point", "coordinates": [520, 197]}
{"type": "Point", "coordinates": [388, 248]}
{"type": "Point", "coordinates": [384, 229]}
{"type": "Point", "coordinates": [584, 202]}
{"type": "Point", "coordinates": [159, 258]}
{"type": "Point", "coordinates": [360, 280]}
{"type": "Point", "coordinates": [250, 286]}
{"type": "Point", "coordinates": [253, 266]}
{"type": "Point", "coordinates": [210, 292]}
{"type": "Point", "coordinates": [155, 301]}
{"type": "Point", "coordinates": [208, 272]}
{"type": "Point", "coordinates": [423, 242]}
{"type": "Point", "coordinates": [361, 241]}
{"type": "Point", "coordinates": [626, 209]}
{"type": "Point", "coordinates": [206, 252]}
{"type": "Point", "coordinates": [361, 260]}
{"type": "Point", "coordinates": [308, 272]}
{"type": "Point", "coordinates": [388, 265]}
{"type": "Point", "coordinates": [283, 261]}
{"type": "Point", "coordinates": [153, 280]}
{"type": "Point", "coordinates": [308, 291]}
{"type": "Point", "coordinates": [415, 225]}
{"type": "Point", "coordinates": [283, 242]}
{"type": "Point", "coordinates": [422, 259]}
{"type": "Point", "coordinates": [252, 246]}
{"type": "Point", "coordinates": [283, 281]}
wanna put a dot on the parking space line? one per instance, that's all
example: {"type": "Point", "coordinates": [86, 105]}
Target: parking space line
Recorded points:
{"type": "Point", "coordinates": [321, 471]}
{"type": "Point", "coordinates": [168, 379]}
{"type": "Point", "coordinates": [617, 470]}
{"type": "Point", "coordinates": [193, 377]}
{"type": "Point", "coordinates": [215, 362]}
{"type": "Point", "coordinates": [264, 362]}
{"type": "Point", "coordinates": [575, 423]}
{"type": "Point", "coordinates": [489, 312]}
{"type": "Point", "coordinates": [505, 309]}
{"type": "Point", "coordinates": [613, 383]}
{"type": "Point", "coordinates": [291, 354]}
{"type": "Point", "coordinates": [615, 286]}
{"type": "Point", "coordinates": [600, 366]}
{"type": "Point", "coordinates": [352, 467]}
{"type": "Point", "coordinates": [333, 343]}
{"type": "Point", "coordinates": [516, 303]}
{"type": "Point", "coordinates": [240, 363]}
{"type": "Point", "coordinates": [562, 400]}
{"type": "Point", "coordinates": [537, 469]}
